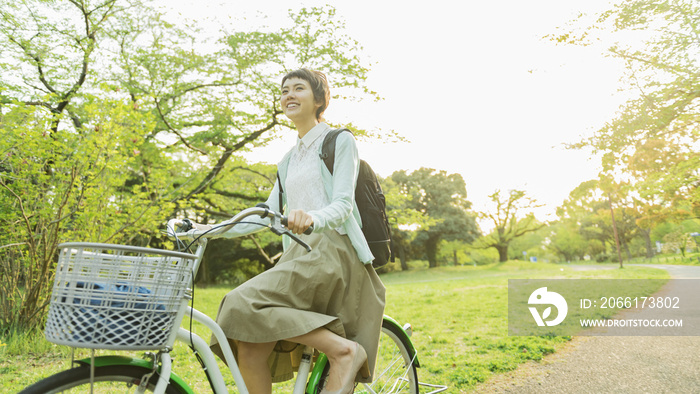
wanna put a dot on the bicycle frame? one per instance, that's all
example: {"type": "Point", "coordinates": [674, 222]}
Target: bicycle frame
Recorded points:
{"type": "Point", "coordinates": [209, 360]}
{"type": "Point", "coordinates": [167, 376]}
{"type": "Point", "coordinates": [201, 346]}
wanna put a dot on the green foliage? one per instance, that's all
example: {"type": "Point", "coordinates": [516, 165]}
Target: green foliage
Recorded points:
{"type": "Point", "coordinates": [586, 227]}
{"type": "Point", "coordinates": [653, 141]}
{"type": "Point", "coordinates": [567, 242]}
{"type": "Point", "coordinates": [60, 186]}
{"type": "Point", "coordinates": [443, 199]}
{"type": "Point", "coordinates": [404, 221]}
{"type": "Point", "coordinates": [686, 226]}
{"type": "Point", "coordinates": [650, 149]}
{"type": "Point", "coordinates": [114, 119]}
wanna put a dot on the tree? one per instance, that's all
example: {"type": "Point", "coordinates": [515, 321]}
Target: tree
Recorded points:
{"type": "Point", "coordinates": [403, 219]}
{"type": "Point", "coordinates": [653, 141]}
{"type": "Point", "coordinates": [590, 207]}
{"type": "Point", "coordinates": [673, 235]}
{"type": "Point", "coordinates": [442, 198]}
{"type": "Point", "coordinates": [507, 223]}
{"type": "Point", "coordinates": [112, 119]}
{"type": "Point", "coordinates": [532, 243]}
{"type": "Point", "coordinates": [567, 242]}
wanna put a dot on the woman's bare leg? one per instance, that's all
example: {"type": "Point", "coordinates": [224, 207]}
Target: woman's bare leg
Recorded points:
{"type": "Point", "coordinates": [340, 352]}
{"type": "Point", "coordinates": [252, 361]}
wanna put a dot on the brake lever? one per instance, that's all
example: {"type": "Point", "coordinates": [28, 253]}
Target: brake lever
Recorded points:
{"type": "Point", "coordinates": [293, 237]}
{"type": "Point", "coordinates": [277, 227]}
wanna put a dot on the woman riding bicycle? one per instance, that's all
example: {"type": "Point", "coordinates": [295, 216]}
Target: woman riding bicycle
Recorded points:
{"type": "Point", "coordinates": [330, 299]}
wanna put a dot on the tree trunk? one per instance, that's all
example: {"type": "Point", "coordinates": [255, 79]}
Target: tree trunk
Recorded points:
{"type": "Point", "coordinates": [431, 247]}
{"type": "Point", "coordinates": [502, 253]}
{"type": "Point", "coordinates": [646, 234]}
{"type": "Point", "coordinates": [402, 258]}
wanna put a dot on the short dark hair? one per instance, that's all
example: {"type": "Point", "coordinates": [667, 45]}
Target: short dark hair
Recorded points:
{"type": "Point", "coordinates": [319, 86]}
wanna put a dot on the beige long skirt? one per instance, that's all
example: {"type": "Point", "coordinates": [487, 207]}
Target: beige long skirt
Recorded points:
{"type": "Point", "coordinates": [328, 287]}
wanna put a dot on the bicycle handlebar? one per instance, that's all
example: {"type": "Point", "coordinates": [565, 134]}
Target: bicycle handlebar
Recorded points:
{"type": "Point", "coordinates": [278, 223]}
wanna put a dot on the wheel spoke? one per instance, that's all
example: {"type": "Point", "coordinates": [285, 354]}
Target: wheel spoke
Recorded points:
{"type": "Point", "coordinates": [394, 371]}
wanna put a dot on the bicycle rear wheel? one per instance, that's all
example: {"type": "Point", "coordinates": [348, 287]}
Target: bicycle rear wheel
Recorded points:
{"type": "Point", "coordinates": [107, 379]}
{"type": "Point", "coordinates": [395, 372]}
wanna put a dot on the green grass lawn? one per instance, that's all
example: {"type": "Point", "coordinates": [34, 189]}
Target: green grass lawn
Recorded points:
{"type": "Point", "coordinates": [459, 318]}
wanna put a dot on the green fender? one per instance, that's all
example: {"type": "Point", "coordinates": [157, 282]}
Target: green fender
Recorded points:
{"type": "Point", "coordinates": [397, 329]}
{"type": "Point", "coordinates": [104, 361]}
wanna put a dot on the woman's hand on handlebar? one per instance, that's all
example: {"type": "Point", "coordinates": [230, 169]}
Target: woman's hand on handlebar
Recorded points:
{"type": "Point", "coordinates": [298, 221]}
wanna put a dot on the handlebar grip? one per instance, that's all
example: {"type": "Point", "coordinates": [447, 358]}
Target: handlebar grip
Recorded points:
{"type": "Point", "coordinates": [186, 225]}
{"type": "Point", "coordinates": [308, 231]}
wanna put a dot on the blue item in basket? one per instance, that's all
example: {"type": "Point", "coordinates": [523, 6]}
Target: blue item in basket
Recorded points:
{"type": "Point", "coordinates": [117, 288]}
{"type": "Point", "coordinates": [114, 320]}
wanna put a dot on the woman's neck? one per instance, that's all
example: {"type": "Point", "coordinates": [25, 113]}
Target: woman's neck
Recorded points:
{"type": "Point", "coordinates": [305, 127]}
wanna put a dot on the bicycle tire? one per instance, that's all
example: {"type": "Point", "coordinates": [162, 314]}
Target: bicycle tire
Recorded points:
{"type": "Point", "coordinates": [107, 379]}
{"type": "Point", "coordinates": [395, 371]}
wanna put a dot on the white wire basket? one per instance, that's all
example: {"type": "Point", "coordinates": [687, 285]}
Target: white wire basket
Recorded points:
{"type": "Point", "coordinates": [116, 297]}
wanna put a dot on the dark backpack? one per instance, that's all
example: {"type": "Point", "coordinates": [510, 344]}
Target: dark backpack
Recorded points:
{"type": "Point", "coordinates": [370, 201]}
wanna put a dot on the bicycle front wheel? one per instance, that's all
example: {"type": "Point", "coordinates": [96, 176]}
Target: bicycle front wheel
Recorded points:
{"type": "Point", "coordinates": [395, 371]}
{"type": "Point", "coordinates": [107, 379]}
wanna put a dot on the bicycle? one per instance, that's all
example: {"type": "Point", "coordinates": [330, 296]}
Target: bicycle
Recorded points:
{"type": "Point", "coordinates": [120, 297]}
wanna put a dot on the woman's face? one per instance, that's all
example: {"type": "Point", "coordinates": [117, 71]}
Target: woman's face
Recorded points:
{"type": "Point", "coordinates": [297, 100]}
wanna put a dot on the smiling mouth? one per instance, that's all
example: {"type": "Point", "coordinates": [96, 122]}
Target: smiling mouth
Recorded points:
{"type": "Point", "coordinates": [292, 105]}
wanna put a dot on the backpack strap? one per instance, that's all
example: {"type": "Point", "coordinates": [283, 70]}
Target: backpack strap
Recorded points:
{"type": "Point", "coordinates": [328, 148]}
{"type": "Point", "coordinates": [281, 191]}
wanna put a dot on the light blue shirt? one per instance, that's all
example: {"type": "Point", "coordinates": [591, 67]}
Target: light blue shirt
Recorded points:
{"type": "Point", "coordinates": [342, 210]}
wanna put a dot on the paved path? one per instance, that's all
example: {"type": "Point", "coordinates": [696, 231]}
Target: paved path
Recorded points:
{"type": "Point", "coordinates": [613, 364]}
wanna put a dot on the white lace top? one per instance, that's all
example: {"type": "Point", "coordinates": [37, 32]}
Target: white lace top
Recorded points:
{"type": "Point", "coordinates": [304, 185]}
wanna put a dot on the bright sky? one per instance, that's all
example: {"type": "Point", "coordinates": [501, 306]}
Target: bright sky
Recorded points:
{"type": "Point", "coordinates": [472, 85]}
